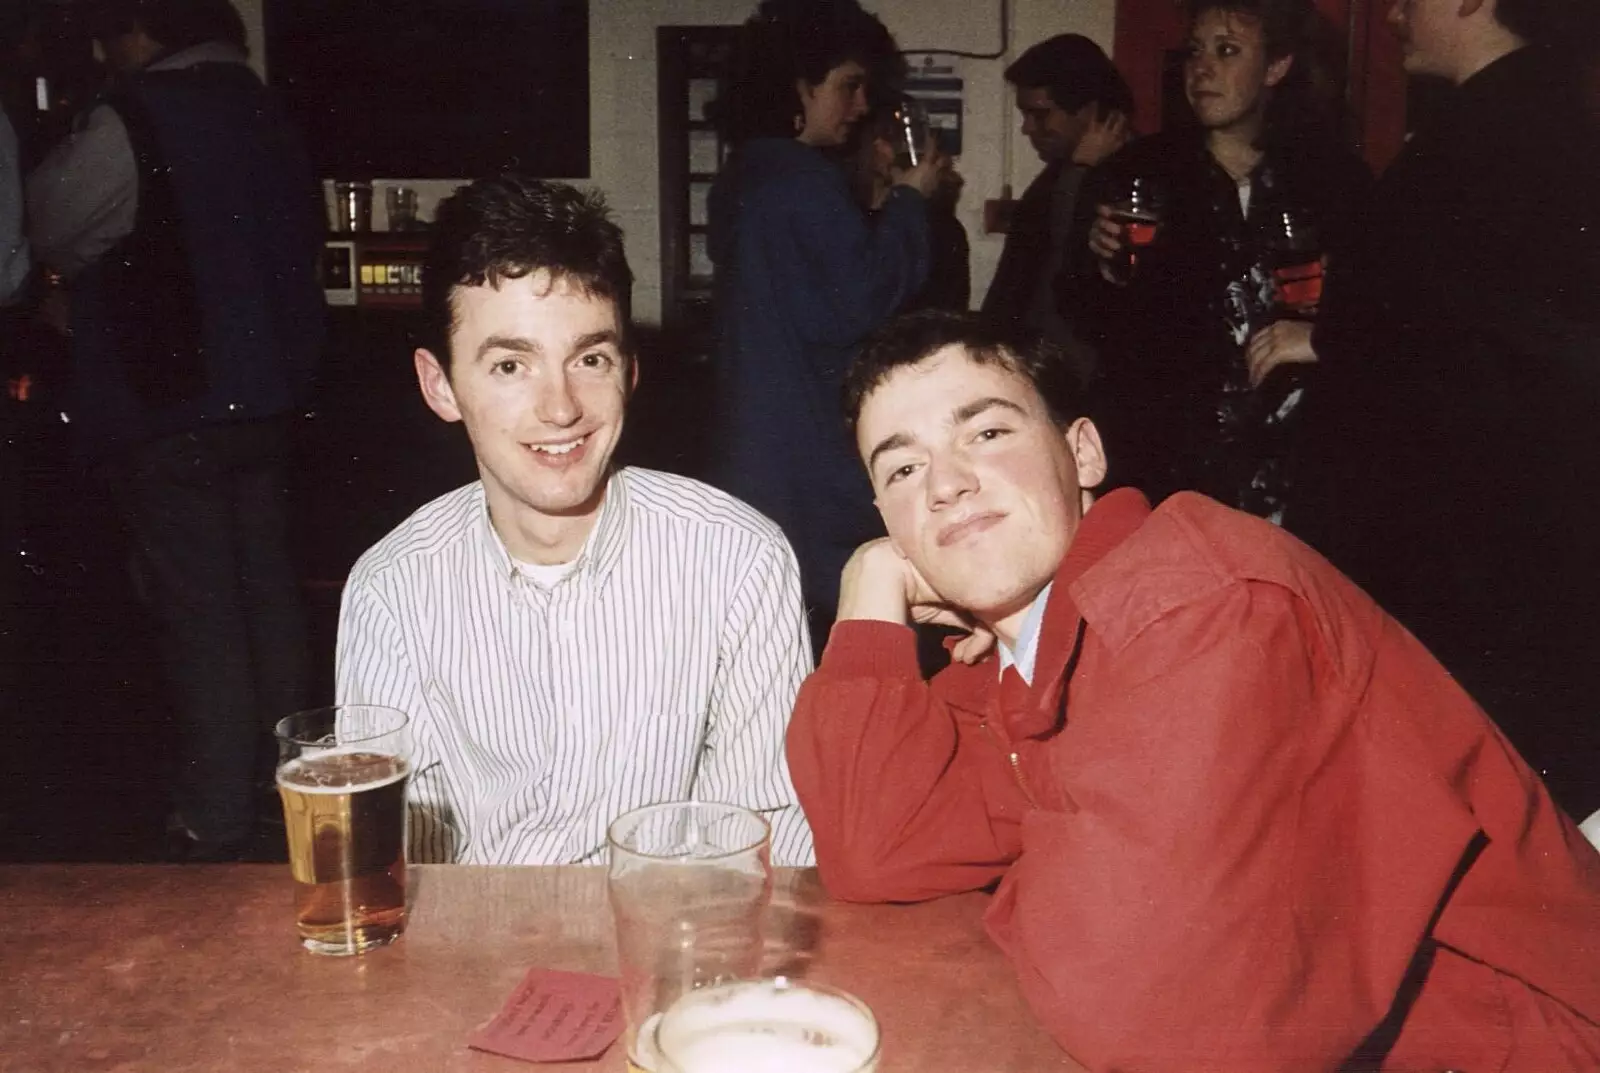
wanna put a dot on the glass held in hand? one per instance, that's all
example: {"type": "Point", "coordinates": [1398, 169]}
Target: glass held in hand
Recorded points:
{"type": "Point", "coordinates": [1294, 257]}
{"type": "Point", "coordinates": [911, 133]}
{"type": "Point", "coordinates": [689, 884]}
{"type": "Point", "coordinates": [1138, 209]}
{"type": "Point", "coordinates": [749, 1026]}
{"type": "Point", "coordinates": [342, 774]}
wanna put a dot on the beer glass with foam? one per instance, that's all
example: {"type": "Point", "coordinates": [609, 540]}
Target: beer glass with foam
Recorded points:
{"type": "Point", "coordinates": [342, 774]}
{"type": "Point", "coordinates": [689, 884]}
{"type": "Point", "coordinates": [767, 1026]}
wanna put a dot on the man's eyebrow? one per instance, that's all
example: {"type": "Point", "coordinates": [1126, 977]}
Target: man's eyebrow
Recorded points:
{"type": "Point", "coordinates": [972, 409]}
{"type": "Point", "coordinates": [514, 343]}
{"type": "Point", "coordinates": [604, 335]}
{"type": "Point", "coordinates": [891, 443]}
{"type": "Point", "coordinates": [521, 345]}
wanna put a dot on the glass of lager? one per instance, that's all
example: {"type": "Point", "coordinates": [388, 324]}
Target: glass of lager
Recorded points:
{"type": "Point", "coordinates": [767, 1026]}
{"type": "Point", "coordinates": [689, 884]}
{"type": "Point", "coordinates": [342, 774]}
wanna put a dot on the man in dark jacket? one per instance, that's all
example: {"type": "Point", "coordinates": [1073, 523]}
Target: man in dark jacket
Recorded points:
{"type": "Point", "coordinates": [1452, 454]}
{"type": "Point", "coordinates": [184, 215]}
{"type": "Point", "coordinates": [1075, 111]}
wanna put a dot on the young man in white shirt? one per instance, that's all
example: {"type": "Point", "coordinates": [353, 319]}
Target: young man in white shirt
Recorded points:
{"type": "Point", "coordinates": [570, 640]}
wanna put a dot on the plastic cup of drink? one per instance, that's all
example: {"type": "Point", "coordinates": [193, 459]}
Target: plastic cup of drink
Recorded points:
{"type": "Point", "coordinates": [1138, 210]}
{"type": "Point", "coordinates": [767, 1026]}
{"type": "Point", "coordinates": [689, 884]}
{"type": "Point", "coordinates": [342, 775]}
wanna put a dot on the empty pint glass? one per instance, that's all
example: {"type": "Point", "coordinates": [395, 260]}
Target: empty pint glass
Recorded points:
{"type": "Point", "coordinates": [689, 883]}
{"type": "Point", "coordinates": [767, 1026]}
{"type": "Point", "coordinates": [342, 774]}
{"type": "Point", "coordinates": [912, 133]}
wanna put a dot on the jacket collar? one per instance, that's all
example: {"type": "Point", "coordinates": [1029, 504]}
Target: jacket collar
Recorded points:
{"type": "Point", "coordinates": [1033, 711]}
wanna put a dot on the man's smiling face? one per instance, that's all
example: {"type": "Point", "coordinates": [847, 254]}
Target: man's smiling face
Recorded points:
{"type": "Point", "coordinates": [539, 377]}
{"type": "Point", "coordinates": [978, 486]}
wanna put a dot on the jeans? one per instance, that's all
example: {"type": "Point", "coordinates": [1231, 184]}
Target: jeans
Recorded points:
{"type": "Point", "coordinates": [207, 513]}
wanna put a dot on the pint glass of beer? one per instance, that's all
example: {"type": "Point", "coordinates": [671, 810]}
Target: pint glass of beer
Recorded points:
{"type": "Point", "coordinates": [753, 1026]}
{"type": "Point", "coordinates": [689, 884]}
{"type": "Point", "coordinates": [342, 774]}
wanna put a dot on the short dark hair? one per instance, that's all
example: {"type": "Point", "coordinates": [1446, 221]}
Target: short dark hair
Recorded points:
{"type": "Point", "coordinates": [175, 24]}
{"type": "Point", "coordinates": [790, 40]}
{"type": "Point", "coordinates": [510, 226]}
{"type": "Point", "coordinates": [1075, 71]}
{"type": "Point", "coordinates": [911, 339]}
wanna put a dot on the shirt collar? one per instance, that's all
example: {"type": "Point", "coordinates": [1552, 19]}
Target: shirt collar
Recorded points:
{"type": "Point", "coordinates": [600, 552]}
{"type": "Point", "coordinates": [1027, 651]}
{"type": "Point", "coordinates": [1113, 519]}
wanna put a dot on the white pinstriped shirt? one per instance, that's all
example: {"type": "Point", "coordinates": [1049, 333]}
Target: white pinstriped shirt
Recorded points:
{"type": "Point", "coordinates": [664, 667]}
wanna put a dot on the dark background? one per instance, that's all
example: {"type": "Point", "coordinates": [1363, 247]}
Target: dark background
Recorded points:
{"type": "Point", "coordinates": [435, 89]}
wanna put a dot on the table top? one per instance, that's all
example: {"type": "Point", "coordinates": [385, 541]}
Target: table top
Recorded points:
{"type": "Point", "coordinates": [196, 968]}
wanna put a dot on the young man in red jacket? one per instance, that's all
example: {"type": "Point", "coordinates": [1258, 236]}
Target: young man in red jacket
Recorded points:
{"type": "Point", "coordinates": [1241, 821]}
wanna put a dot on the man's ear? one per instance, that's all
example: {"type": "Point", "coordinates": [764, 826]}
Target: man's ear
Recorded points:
{"type": "Point", "coordinates": [435, 384]}
{"type": "Point", "coordinates": [1088, 453]}
{"type": "Point", "coordinates": [1278, 69]}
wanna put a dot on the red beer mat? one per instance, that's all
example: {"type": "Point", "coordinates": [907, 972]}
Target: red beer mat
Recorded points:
{"type": "Point", "coordinates": [555, 1017]}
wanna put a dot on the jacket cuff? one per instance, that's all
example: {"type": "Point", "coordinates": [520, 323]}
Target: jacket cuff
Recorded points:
{"type": "Point", "coordinates": [869, 648]}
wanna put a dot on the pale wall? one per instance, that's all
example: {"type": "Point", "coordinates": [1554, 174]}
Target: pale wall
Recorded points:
{"type": "Point", "coordinates": [622, 82]}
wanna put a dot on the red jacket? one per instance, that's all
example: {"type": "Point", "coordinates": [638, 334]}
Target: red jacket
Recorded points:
{"type": "Point", "coordinates": [1265, 807]}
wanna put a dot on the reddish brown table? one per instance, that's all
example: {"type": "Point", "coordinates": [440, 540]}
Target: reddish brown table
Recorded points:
{"type": "Point", "coordinates": [177, 969]}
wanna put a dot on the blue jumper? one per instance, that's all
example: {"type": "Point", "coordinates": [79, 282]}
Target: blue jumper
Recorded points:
{"type": "Point", "coordinates": [802, 278]}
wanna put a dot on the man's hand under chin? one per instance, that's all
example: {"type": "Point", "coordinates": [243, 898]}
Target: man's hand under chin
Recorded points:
{"type": "Point", "coordinates": [881, 584]}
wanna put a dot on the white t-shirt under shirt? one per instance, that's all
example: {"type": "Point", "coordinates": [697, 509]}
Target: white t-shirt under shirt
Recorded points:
{"type": "Point", "coordinates": [660, 665]}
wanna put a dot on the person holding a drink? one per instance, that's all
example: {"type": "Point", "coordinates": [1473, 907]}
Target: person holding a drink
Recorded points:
{"type": "Point", "coordinates": [890, 139]}
{"type": "Point", "coordinates": [801, 274]}
{"type": "Point", "coordinates": [1197, 239]}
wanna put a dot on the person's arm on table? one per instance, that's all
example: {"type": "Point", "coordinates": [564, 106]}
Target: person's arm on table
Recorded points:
{"type": "Point", "coordinates": [764, 654]}
{"type": "Point", "coordinates": [1172, 918]}
{"type": "Point", "coordinates": [373, 666]}
{"type": "Point", "coordinates": [893, 789]}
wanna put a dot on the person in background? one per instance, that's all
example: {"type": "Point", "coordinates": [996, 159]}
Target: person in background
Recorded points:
{"type": "Point", "coordinates": [571, 640]}
{"type": "Point", "coordinates": [871, 163]}
{"type": "Point", "coordinates": [186, 220]}
{"type": "Point", "coordinates": [1185, 407]}
{"type": "Point", "coordinates": [802, 276]}
{"type": "Point", "coordinates": [1240, 820]}
{"type": "Point", "coordinates": [15, 262]}
{"type": "Point", "coordinates": [1453, 444]}
{"type": "Point", "coordinates": [15, 268]}
{"type": "Point", "coordinates": [1076, 111]}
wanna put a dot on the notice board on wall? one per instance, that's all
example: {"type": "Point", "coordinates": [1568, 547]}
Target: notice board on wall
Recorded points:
{"type": "Point", "coordinates": [435, 88]}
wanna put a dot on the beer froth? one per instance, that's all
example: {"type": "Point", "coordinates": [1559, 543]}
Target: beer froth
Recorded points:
{"type": "Point", "coordinates": [766, 1027]}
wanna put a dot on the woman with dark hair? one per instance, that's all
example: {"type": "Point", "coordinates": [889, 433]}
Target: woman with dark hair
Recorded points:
{"type": "Point", "coordinates": [1254, 197]}
{"type": "Point", "coordinates": [802, 275]}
